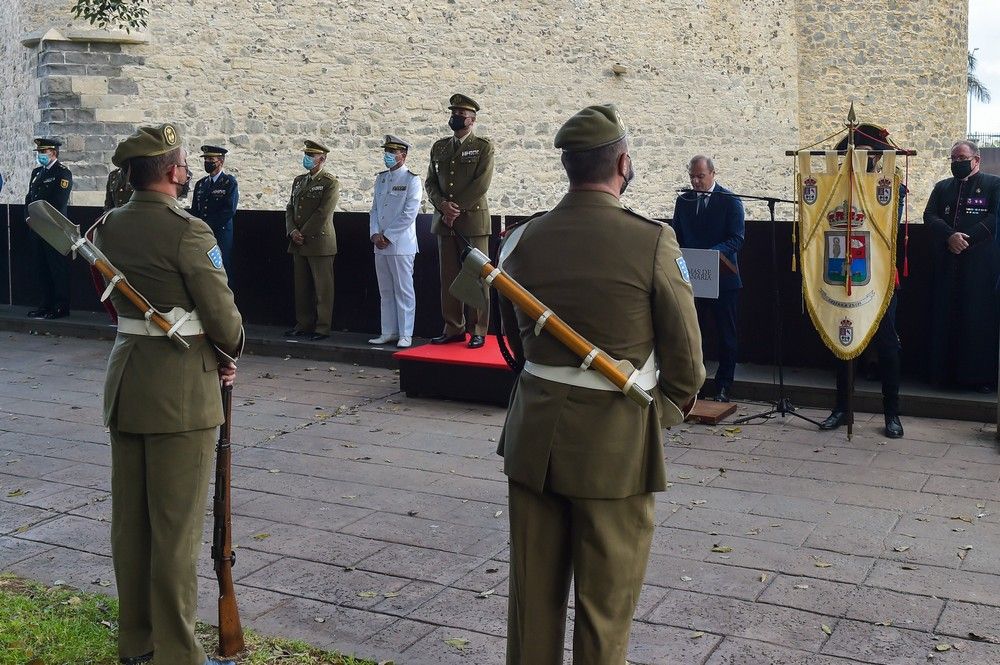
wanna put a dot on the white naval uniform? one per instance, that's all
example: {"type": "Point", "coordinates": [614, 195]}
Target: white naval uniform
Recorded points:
{"type": "Point", "coordinates": [394, 215]}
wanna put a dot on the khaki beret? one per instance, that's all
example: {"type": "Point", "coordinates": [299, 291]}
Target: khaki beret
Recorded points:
{"type": "Point", "coordinates": [313, 148]}
{"type": "Point", "coordinates": [460, 101]}
{"type": "Point", "coordinates": [47, 143]}
{"type": "Point", "coordinates": [147, 142]}
{"type": "Point", "coordinates": [395, 143]}
{"type": "Point", "coordinates": [593, 127]}
{"type": "Point", "coordinates": [213, 151]}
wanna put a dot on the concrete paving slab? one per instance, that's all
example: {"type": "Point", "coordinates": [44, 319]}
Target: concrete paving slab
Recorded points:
{"type": "Point", "coordinates": [386, 517]}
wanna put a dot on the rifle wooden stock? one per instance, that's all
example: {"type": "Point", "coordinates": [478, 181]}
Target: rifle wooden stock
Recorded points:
{"type": "Point", "coordinates": [559, 329]}
{"type": "Point", "coordinates": [230, 630]}
{"type": "Point", "coordinates": [136, 299]}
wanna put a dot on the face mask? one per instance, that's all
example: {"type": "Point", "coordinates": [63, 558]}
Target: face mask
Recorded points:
{"type": "Point", "coordinates": [389, 159]}
{"type": "Point", "coordinates": [185, 187]}
{"type": "Point", "coordinates": [962, 169]}
{"type": "Point", "coordinates": [456, 122]}
{"type": "Point", "coordinates": [209, 167]}
{"type": "Point", "coordinates": [628, 179]}
{"type": "Point", "coordinates": [42, 159]}
{"type": "Point", "coordinates": [308, 162]}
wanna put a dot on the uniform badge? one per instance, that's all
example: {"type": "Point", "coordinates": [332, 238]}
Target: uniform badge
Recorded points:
{"type": "Point", "coordinates": [683, 267]}
{"type": "Point", "coordinates": [64, 183]}
{"type": "Point", "coordinates": [215, 256]}
{"type": "Point", "coordinates": [884, 191]}
{"type": "Point", "coordinates": [169, 135]}
{"type": "Point", "coordinates": [846, 332]}
{"type": "Point", "coordinates": [809, 191]}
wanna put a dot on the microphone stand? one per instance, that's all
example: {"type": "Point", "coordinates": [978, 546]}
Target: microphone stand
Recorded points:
{"type": "Point", "coordinates": [783, 406]}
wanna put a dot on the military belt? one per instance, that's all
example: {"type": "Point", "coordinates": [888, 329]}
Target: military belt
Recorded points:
{"type": "Point", "coordinates": [183, 323]}
{"type": "Point", "coordinates": [646, 377]}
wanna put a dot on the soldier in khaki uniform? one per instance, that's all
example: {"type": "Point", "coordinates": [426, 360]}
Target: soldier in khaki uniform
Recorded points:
{"type": "Point", "coordinates": [582, 459]}
{"type": "Point", "coordinates": [312, 242]}
{"type": "Point", "coordinates": [162, 404]}
{"type": "Point", "coordinates": [459, 175]}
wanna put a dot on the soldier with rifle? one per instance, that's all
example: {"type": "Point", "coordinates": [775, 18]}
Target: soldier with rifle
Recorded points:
{"type": "Point", "coordinates": [582, 459]}
{"type": "Point", "coordinates": [162, 402]}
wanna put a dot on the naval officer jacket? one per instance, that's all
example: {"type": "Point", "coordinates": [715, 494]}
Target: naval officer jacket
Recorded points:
{"type": "Point", "coordinates": [394, 210]}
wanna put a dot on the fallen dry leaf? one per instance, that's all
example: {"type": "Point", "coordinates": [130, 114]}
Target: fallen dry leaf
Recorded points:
{"type": "Point", "coordinates": [942, 647]}
{"type": "Point", "coordinates": [978, 637]}
{"type": "Point", "coordinates": [457, 642]}
{"type": "Point", "coordinates": [366, 594]}
{"type": "Point", "coordinates": [826, 629]}
{"type": "Point", "coordinates": [722, 549]}
{"type": "Point", "coordinates": [261, 536]}
{"type": "Point", "coordinates": [698, 633]}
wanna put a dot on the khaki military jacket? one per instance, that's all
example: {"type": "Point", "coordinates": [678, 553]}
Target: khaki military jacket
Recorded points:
{"type": "Point", "coordinates": [310, 211]}
{"type": "Point", "coordinates": [614, 277]}
{"type": "Point", "coordinates": [461, 173]}
{"type": "Point", "coordinates": [152, 385]}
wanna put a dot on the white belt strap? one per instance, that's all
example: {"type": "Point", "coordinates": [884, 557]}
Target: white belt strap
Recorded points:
{"type": "Point", "coordinates": [645, 377]}
{"type": "Point", "coordinates": [182, 322]}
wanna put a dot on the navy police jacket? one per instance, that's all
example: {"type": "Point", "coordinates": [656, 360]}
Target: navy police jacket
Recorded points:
{"type": "Point", "coordinates": [215, 202]}
{"type": "Point", "coordinates": [52, 184]}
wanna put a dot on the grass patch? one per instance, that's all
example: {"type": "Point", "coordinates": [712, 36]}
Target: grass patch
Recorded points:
{"type": "Point", "coordinates": [42, 625]}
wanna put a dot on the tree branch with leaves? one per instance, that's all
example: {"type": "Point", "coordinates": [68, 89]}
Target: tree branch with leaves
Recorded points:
{"type": "Point", "coordinates": [127, 15]}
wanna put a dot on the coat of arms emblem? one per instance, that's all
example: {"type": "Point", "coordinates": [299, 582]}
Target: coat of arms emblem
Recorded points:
{"type": "Point", "coordinates": [846, 332]}
{"type": "Point", "coordinates": [883, 192]}
{"type": "Point", "coordinates": [809, 190]}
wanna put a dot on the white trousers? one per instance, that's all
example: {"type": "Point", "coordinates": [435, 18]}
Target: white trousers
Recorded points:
{"type": "Point", "coordinates": [395, 287]}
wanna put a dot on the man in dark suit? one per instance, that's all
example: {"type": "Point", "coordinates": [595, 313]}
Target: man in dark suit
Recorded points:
{"type": "Point", "coordinates": [215, 199]}
{"type": "Point", "coordinates": [710, 218]}
{"type": "Point", "coordinates": [51, 182]}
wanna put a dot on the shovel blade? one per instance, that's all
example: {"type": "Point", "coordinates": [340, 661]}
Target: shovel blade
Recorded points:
{"type": "Point", "coordinates": [52, 226]}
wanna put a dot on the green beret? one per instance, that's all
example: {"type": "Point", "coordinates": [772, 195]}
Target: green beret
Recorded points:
{"type": "Point", "coordinates": [147, 142]}
{"type": "Point", "coordinates": [593, 127]}
{"type": "Point", "coordinates": [313, 148]}
{"type": "Point", "coordinates": [460, 101]}
{"type": "Point", "coordinates": [47, 143]}
{"type": "Point", "coordinates": [393, 142]}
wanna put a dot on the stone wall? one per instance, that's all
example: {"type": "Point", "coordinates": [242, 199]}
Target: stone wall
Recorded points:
{"type": "Point", "coordinates": [740, 80]}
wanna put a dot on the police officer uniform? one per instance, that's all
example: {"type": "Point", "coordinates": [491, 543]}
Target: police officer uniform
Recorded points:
{"type": "Point", "coordinates": [53, 183]}
{"type": "Point", "coordinates": [582, 459]}
{"type": "Point", "coordinates": [162, 405]}
{"type": "Point", "coordinates": [460, 171]}
{"type": "Point", "coordinates": [393, 216]}
{"type": "Point", "coordinates": [215, 200]}
{"type": "Point", "coordinates": [310, 212]}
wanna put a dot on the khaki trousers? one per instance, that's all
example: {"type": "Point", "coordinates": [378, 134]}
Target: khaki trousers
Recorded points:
{"type": "Point", "coordinates": [313, 293]}
{"type": "Point", "coordinates": [603, 546]}
{"type": "Point", "coordinates": [159, 485]}
{"type": "Point", "coordinates": [452, 309]}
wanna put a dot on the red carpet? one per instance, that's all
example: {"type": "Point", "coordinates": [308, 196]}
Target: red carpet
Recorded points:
{"type": "Point", "coordinates": [456, 354]}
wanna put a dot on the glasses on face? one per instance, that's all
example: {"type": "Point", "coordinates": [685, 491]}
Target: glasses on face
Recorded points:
{"type": "Point", "coordinates": [962, 159]}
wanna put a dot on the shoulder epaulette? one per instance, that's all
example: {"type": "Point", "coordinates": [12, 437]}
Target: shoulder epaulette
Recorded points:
{"type": "Point", "coordinates": [521, 222]}
{"type": "Point", "coordinates": [182, 213]}
{"type": "Point", "coordinates": [641, 216]}
{"type": "Point", "coordinates": [381, 172]}
{"type": "Point", "coordinates": [412, 173]}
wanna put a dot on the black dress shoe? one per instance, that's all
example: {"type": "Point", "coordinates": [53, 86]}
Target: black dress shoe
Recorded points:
{"type": "Point", "coordinates": [893, 428]}
{"type": "Point", "coordinates": [58, 313]}
{"type": "Point", "coordinates": [317, 337]}
{"type": "Point", "coordinates": [137, 660]}
{"type": "Point", "coordinates": [448, 339]}
{"type": "Point", "coordinates": [476, 341]}
{"type": "Point", "coordinates": [722, 395]}
{"type": "Point", "coordinates": [834, 420]}
{"type": "Point", "coordinates": [38, 313]}
{"type": "Point", "coordinates": [294, 333]}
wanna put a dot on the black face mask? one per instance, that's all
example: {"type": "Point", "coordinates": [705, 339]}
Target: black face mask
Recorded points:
{"type": "Point", "coordinates": [628, 179]}
{"type": "Point", "coordinates": [186, 187]}
{"type": "Point", "coordinates": [209, 167]}
{"type": "Point", "coordinates": [456, 122]}
{"type": "Point", "coordinates": [962, 169]}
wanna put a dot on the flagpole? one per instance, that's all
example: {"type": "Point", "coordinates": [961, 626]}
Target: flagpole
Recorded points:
{"type": "Point", "coordinates": [852, 123]}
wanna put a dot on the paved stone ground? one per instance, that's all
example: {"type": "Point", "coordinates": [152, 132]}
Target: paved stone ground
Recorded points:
{"type": "Point", "coordinates": [372, 523]}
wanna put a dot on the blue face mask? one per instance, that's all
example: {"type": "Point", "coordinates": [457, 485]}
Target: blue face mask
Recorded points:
{"type": "Point", "coordinates": [42, 159]}
{"type": "Point", "coordinates": [308, 162]}
{"type": "Point", "coordinates": [390, 159]}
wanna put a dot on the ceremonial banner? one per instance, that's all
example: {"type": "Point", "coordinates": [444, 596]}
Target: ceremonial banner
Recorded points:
{"type": "Point", "coordinates": [847, 244]}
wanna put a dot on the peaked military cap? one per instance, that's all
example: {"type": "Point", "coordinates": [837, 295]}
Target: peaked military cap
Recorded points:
{"type": "Point", "coordinates": [395, 143]}
{"type": "Point", "coordinates": [460, 101]}
{"type": "Point", "coordinates": [147, 142]}
{"type": "Point", "coordinates": [313, 148]}
{"type": "Point", "coordinates": [871, 135]}
{"type": "Point", "coordinates": [593, 127]}
{"type": "Point", "coordinates": [213, 151]}
{"type": "Point", "coordinates": [47, 143]}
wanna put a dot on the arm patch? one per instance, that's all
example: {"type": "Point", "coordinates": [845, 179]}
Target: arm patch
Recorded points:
{"type": "Point", "coordinates": [215, 256]}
